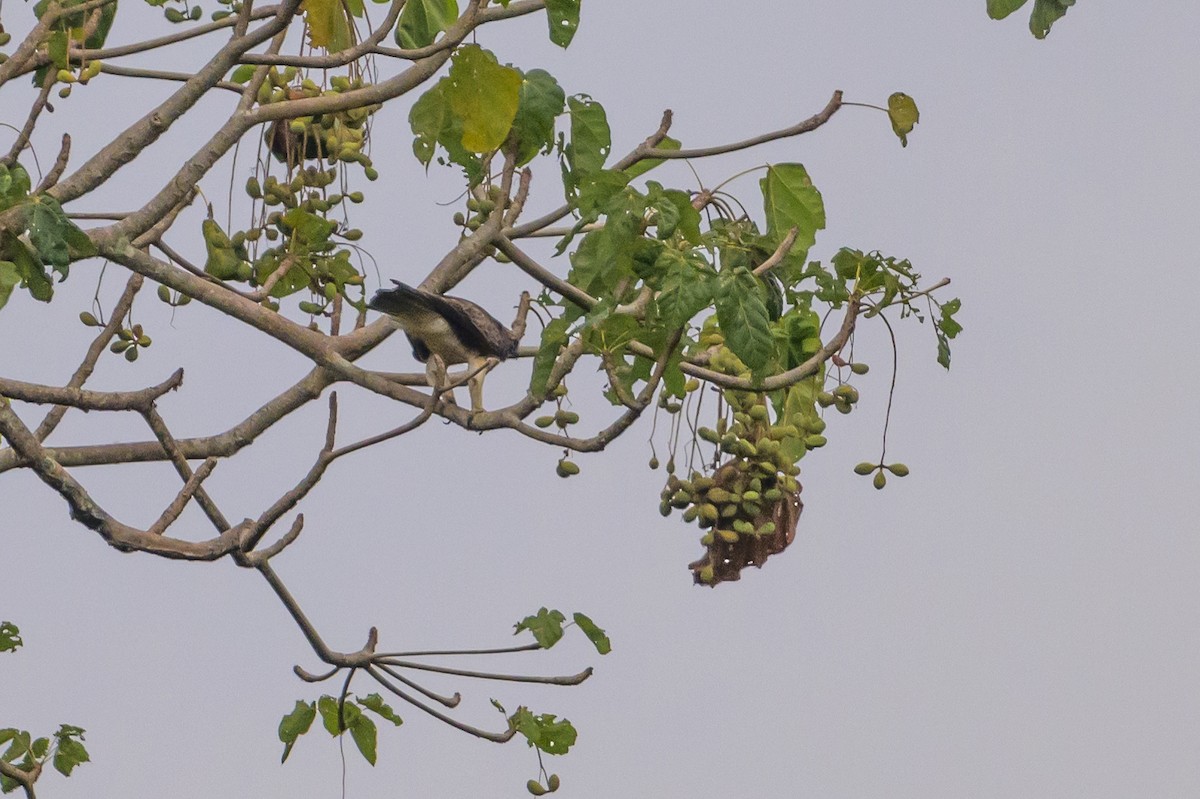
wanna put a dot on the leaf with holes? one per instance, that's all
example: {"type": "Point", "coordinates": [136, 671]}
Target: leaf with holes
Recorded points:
{"type": "Point", "coordinates": [484, 96]}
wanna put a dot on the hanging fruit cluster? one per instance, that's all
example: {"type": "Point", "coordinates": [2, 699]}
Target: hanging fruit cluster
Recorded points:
{"type": "Point", "coordinates": [748, 506]}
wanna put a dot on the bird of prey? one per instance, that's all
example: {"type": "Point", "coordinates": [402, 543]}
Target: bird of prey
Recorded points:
{"type": "Point", "coordinates": [445, 330]}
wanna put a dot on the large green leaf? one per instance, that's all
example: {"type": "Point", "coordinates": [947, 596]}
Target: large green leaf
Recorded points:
{"type": "Point", "coordinates": [9, 278]}
{"type": "Point", "coordinates": [742, 314]}
{"type": "Point", "coordinates": [29, 267]}
{"type": "Point", "coordinates": [546, 626]}
{"type": "Point", "coordinates": [328, 25]}
{"type": "Point", "coordinates": [902, 111]}
{"type": "Point", "coordinates": [596, 635]}
{"type": "Point", "coordinates": [546, 732]}
{"type": "Point", "coordinates": [564, 20]}
{"type": "Point", "coordinates": [999, 9]}
{"type": "Point", "coordinates": [428, 119]}
{"type": "Point", "coordinates": [687, 288]}
{"type": "Point", "coordinates": [422, 20]}
{"type": "Point", "coordinates": [364, 733]}
{"type": "Point", "coordinates": [554, 337]}
{"type": "Point", "coordinates": [484, 96]}
{"type": "Point", "coordinates": [591, 139]}
{"type": "Point", "coordinates": [542, 100]}
{"type": "Point", "coordinates": [222, 262]}
{"type": "Point", "coordinates": [1045, 14]}
{"type": "Point", "coordinates": [791, 201]}
{"type": "Point", "coordinates": [295, 724]}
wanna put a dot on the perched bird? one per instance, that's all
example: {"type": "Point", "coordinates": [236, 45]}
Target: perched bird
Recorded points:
{"type": "Point", "coordinates": [452, 329]}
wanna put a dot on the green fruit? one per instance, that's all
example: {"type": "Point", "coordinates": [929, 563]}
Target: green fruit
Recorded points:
{"type": "Point", "coordinates": [898, 469]}
{"type": "Point", "coordinates": [880, 479]}
{"type": "Point", "coordinates": [131, 354]}
{"type": "Point", "coordinates": [728, 536]}
{"type": "Point", "coordinates": [729, 511]}
{"type": "Point", "coordinates": [718, 495]}
{"type": "Point", "coordinates": [690, 514]}
{"type": "Point", "coordinates": [859, 368]}
{"type": "Point", "coordinates": [653, 462]}
{"type": "Point", "coordinates": [750, 496]}
{"type": "Point", "coordinates": [564, 418]}
{"type": "Point", "coordinates": [706, 574]}
{"type": "Point", "coordinates": [768, 528]}
{"type": "Point", "coordinates": [709, 512]}
{"type": "Point", "coordinates": [535, 788]}
{"type": "Point", "coordinates": [758, 413]}
{"type": "Point", "coordinates": [825, 399]}
{"type": "Point", "coordinates": [566, 468]}
{"type": "Point", "coordinates": [64, 92]}
{"type": "Point", "coordinates": [164, 294]}
{"type": "Point", "coordinates": [91, 321]}
{"type": "Point", "coordinates": [553, 783]}
{"type": "Point", "coordinates": [772, 495]}
{"type": "Point", "coordinates": [708, 434]}
{"type": "Point", "coordinates": [743, 526]}
{"type": "Point", "coordinates": [815, 441]}
{"type": "Point", "coordinates": [865, 468]}
{"type": "Point", "coordinates": [544, 421]}
{"type": "Point", "coordinates": [846, 392]}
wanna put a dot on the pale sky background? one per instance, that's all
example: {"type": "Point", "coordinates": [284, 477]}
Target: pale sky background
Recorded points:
{"type": "Point", "coordinates": [1019, 617]}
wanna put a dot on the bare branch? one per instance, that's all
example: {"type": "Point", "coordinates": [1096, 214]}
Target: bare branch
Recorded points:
{"type": "Point", "coordinates": [89, 400]}
{"type": "Point", "coordinates": [95, 350]}
{"type": "Point", "coordinates": [88, 512]}
{"type": "Point", "coordinates": [812, 123]}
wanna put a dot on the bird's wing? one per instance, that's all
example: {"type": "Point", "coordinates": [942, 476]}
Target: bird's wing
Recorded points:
{"type": "Point", "coordinates": [477, 330]}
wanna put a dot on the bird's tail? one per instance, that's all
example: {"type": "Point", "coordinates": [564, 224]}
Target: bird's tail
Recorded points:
{"type": "Point", "coordinates": [397, 300]}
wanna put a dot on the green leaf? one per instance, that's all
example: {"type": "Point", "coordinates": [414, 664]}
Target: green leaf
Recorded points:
{"type": "Point", "coordinates": [676, 214]}
{"type": "Point", "coordinates": [422, 20]}
{"type": "Point", "coordinates": [999, 9]}
{"type": "Point", "coordinates": [791, 201]}
{"type": "Point", "coordinates": [10, 637]}
{"type": "Point", "coordinates": [70, 751]}
{"type": "Point", "coordinates": [375, 703]}
{"type": "Point", "coordinates": [902, 111]}
{"type": "Point", "coordinates": [364, 733]}
{"type": "Point", "coordinates": [328, 26]}
{"type": "Point", "coordinates": [646, 164]}
{"type": "Point", "coordinates": [428, 118]}
{"type": "Point", "coordinates": [596, 635]}
{"type": "Point", "coordinates": [243, 73]}
{"type": "Point", "coordinates": [947, 328]}
{"type": "Point", "coordinates": [742, 314]}
{"type": "Point", "coordinates": [9, 278]}
{"type": "Point", "coordinates": [550, 735]}
{"type": "Point", "coordinates": [47, 233]}
{"type": "Point", "coordinates": [222, 262]}
{"type": "Point", "coordinates": [295, 724]}
{"type": "Point", "coordinates": [1045, 14]}
{"type": "Point", "coordinates": [546, 627]}
{"type": "Point", "coordinates": [327, 706]}
{"type": "Point", "coordinates": [554, 338]}
{"type": "Point", "coordinates": [542, 100]}
{"type": "Point", "coordinates": [591, 139]}
{"type": "Point", "coordinates": [33, 274]}
{"type": "Point", "coordinates": [687, 288]}
{"type": "Point", "coordinates": [484, 96]}
{"type": "Point", "coordinates": [563, 17]}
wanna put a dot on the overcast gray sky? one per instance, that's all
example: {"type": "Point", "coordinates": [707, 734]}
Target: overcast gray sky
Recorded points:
{"type": "Point", "coordinates": [1019, 617]}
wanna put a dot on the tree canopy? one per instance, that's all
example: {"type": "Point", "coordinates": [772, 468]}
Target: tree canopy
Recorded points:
{"type": "Point", "coordinates": [704, 308]}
